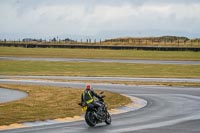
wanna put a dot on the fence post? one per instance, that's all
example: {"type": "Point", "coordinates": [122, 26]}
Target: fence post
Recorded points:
{"type": "Point", "coordinates": [178, 43]}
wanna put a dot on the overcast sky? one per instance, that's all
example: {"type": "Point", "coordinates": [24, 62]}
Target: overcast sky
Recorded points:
{"type": "Point", "coordinates": [99, 18]}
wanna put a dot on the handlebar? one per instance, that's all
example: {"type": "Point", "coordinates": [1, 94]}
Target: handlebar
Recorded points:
{"type": "Point", "coordinates": [103, 96]}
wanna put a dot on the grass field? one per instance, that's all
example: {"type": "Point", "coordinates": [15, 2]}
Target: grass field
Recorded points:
{"type": "Point", "coordinates": [46, 102]}
{"type": "Point", "coordinates": [97, 69]}
{"type": "Point", "coordinates": [99, 53]}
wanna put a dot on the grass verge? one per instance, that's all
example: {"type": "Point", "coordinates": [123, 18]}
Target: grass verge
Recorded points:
{"type": "Point", "coordinates": [99, 53]}
{"type": "Point", "coordinates": [97, 69]}
{"type": "Point", "coordinates": [48, 103]}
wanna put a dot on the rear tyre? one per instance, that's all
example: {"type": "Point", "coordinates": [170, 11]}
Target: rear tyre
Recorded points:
{"type": "Point", "coordinates": [108, 120]}
{"type": "Point", "coordinates": [90, 119]}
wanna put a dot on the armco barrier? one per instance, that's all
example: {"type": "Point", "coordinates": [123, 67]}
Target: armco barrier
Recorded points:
{"type": "Point", "coordinates": [157, 48]}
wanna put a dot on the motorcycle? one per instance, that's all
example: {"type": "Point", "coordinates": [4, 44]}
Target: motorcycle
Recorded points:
{"type": "Point", "coordinates": [94, 115]}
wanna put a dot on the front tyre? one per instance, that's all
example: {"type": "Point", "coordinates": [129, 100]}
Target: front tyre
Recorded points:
{"type": "Point", "coordinates": [108, 119]}
{"type": "Point", "coordinates": [90, 119]}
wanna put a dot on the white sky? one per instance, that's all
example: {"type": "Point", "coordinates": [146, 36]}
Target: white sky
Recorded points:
{"type": "Point", "coordinates": [99, 18]}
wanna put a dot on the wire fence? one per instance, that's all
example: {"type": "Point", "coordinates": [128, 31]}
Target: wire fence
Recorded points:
{"type": "Point", "coordinates": [119, 42]}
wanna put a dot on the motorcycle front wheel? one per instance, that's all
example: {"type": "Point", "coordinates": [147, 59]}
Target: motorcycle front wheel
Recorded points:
{"type": "Point", "coordinates": [90, 119]}
{"type": "Point", "coordinates": [108, 119]}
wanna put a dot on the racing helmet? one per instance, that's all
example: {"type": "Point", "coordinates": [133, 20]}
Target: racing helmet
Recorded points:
{"type": "Point", "coordinates": [88, 87]}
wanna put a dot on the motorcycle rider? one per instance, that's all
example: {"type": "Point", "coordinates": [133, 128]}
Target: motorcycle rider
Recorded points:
{"type": "Point", "coordinates": [88, 95]}
{"type": "Point", "coordinates": [96, 110]}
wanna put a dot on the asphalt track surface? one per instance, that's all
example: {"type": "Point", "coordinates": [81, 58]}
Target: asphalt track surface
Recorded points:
{"type": "Point", "coordinates": [168, 110]}
{"type": "Point", "coordinates": [193, 80]}
{"type": "Point", "coordinates": [7, 95]}
{"type": "Point", "coordinates": [104, 60]}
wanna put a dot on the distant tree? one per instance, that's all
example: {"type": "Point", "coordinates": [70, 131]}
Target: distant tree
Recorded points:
{"type": "Point", "coordinates": [54, 39]}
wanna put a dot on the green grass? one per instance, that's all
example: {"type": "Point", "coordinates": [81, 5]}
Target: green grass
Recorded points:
{"type": "Point", "coordinates": [97, 69]}
{"type": "Point", "coordinates": [98, 53]}
{"type": "Point", "coordinates": [45, 102]}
